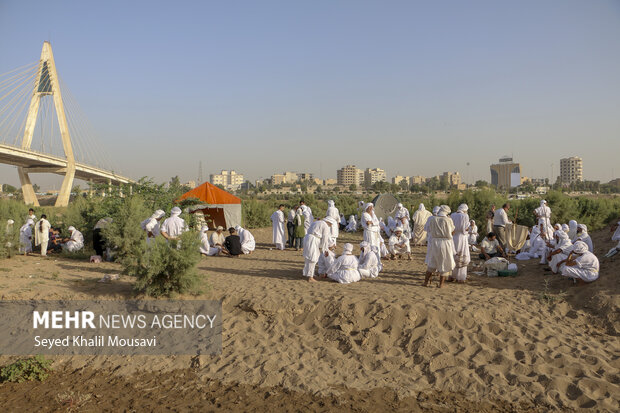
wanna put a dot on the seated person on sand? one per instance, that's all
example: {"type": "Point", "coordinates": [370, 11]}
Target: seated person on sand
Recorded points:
{"type": "Point", "coordinates": [490, 247]}
{"type": "Point", "coordinates": [55, 243]}
{"type": "Point", "coordinates": [205, 248]}
{"type": "Point", "coordinates": [75, 242]}
{"type": "Point", "coordinates": [369, 265]}
{"type": "Point", "coordinates": [248, 244]}
{"type": "Point", "coordinates": [344, 270]}
{"type": "Point", "coordinates": [232, 244]}
{"type": "Point", "coordinates": [217, 238]}
{"type": "Point", "coordinates": [327, 259]}
{"type": "Point", "coordinates": [399, 244]}
{"type": "Point", "coordinates": [560, 252]}
{"type": "Point", "coordinates": [581, 264]}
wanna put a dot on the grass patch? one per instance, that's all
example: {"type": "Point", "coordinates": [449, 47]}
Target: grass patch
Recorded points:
{"type": "Point", "coordinates": [29, 369]}
{"type": "Point", "coordinates": [549, 298]}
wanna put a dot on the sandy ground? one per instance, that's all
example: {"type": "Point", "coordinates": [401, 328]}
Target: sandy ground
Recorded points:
{"type": "Point", "coordinates": [531, 342]}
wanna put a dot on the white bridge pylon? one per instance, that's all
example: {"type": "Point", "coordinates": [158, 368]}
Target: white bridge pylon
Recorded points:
{"type": "Point", "coordinates": [21, 153]}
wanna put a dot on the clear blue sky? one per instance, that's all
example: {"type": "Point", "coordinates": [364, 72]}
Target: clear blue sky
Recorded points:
{"type": "Point", "coordinates": [414, 87]}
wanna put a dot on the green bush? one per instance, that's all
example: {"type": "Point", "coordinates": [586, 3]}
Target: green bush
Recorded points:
{"type": "Point", "coordinates": [168, 268]}
{"type": "Point", "coordinates": [33, 368]}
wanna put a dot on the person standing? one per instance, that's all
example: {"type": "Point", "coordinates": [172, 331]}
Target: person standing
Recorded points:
{"type": "Point", "coordinates": [316, 242]}
{"type": "Point", "coordinates": [419, 221]}
{"type": "Point", "coordinates": [42, 234]}
{"type": "Point", "coordinates": [151, 225]}
{"type": "Point", "coordinates": [277, 221]}
{"type": "Point", "coordinates": [25, 237]}
{"type": "Point", "coordinates": [300, 229]}
{"type": "Point", "coordinates": [290, 226]}
{"type": "Point", "coordinates": [370, 223]}
{"type": "Point", "coordinates": [490, 217]}
{"type": "Point", "coordinates": [441, 246]}
{"type": "Point", "coordinates": [500, 220]}
{"type": "Point", "coordinates": [461, 244]}
{"type": "Point", "coordinates": [333, 212]}
{"type": "Point", "coordinates": [174, 226]}
{"type": "Point", "coordinates": [543, 216]}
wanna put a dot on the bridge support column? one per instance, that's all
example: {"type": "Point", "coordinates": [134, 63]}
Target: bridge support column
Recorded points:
{"type": "Point", "coordinates": [65, 189]}
{"type": "Point", "coordinates": [30, 198]}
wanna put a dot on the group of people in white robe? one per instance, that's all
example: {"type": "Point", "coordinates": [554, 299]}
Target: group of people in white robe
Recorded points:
{"type": "Point", "coordinates": [567, 249]}
{"type": "Point", "coordinates": [39, 232]}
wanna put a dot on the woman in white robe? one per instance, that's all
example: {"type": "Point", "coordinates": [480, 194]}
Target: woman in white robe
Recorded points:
{"type": "Point", "coordinates": [461, 245]}
{"type": "Point", "coordinates": [581, 265]}
{"type": "Point", "coordinates": [563, 247]}
{"type": "Point", "coordinates": [25, 237]}
{"type": "Point", "coordinates": [369, 261]}
{"type": "Point", "coordinates": [205, 247]}
{"type": "Point", "coordinates": [344, 270]}
{"type": "Point", "coordinates": [572, 230]}
{"type": "Point", "coordinates": [419, 221]}
{"type": "Point", "coordinates": [441, 246]}
{"type": "Point", "coordinates": [370, 223]}
{"type": "Point", "coordinates": [278, 221]}
{"type": "Point", "coordinates": [582, 235]}
{"type": "Point", "coordinates": [308, 218]}
{"type": "Point", "coordinates": [315, 243]}
{"type": "Point", "coordinates": [76, 241]}
{"type": "Point", "coordinates": [327, 259]}
{"type": "Point", "coordinates": [248, 243]}
{"type": "Point", "coordinates": [472, 238]}
{"type": "Point", "coordinates": [333, 212]}
{"type": "Point", "coordinates": [352, 225]}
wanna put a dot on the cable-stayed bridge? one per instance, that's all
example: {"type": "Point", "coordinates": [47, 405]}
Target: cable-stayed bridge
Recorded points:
{"type": "Point", "coordinates": [43, 130]}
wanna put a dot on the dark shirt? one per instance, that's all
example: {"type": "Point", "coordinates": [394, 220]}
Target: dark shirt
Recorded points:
{"type": "Point", "coordinates": [233, 244]}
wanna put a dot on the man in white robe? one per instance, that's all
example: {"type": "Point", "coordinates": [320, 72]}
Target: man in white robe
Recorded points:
{"type": "Point", "coordinates": [461, 245]}
{"type": "Point", "coordinates": [151, 225]}
{"type": "Point", "coordinates": [42, 234]}
{"type": "Point", "coordinates": [369, 261]}
{"type": "Point", "coordinates": [174, 226]}
{"type": "Point", "coordinates": [76, 241]}
{"type": "Point", "coordinates": [401, 212]}
{"type": "Point", "coordinates": [419, 221]}
{"type": "Point", "coordinates": [278, 221]}
{"type": "Point", "coordinates": [333, 212]}
{"type": "Point", "coordinates": [25, 237]}
{"type": "Point", "coordinates": [563, 247]}
{"type": "Point", "coordinates": [582, 235]}
{"type": "Point", "coordinates": [543, 216]}
{"type": "Point", "coordinates": [441, 246]}
{"type": "Point", "coordinates": [399, 244]}
{"type": "Point", "coordinates": [370, 223]}
{"type": "Point", "coordinates": [344, 269]}
{"type": "Point", "coordinates": [308, 218]}
{"type": "Point", "coordinates": [428, 235]}
{"type": "Point", "coordinates": [572, 230]}
{"type": "Point", "coordinates": [385, 228]}
{"type": "Point", "coordinates": [248, 243]}
{"type": "Point", "coordinates": [316, 242]}
{"type": "Point", "coordinates": [217, 238]}
{"type": "Point", "coordinates": [205, 247]}
{"type": "Point", "coordinates": [581, 264]}
{"type": "Point", "coordinates": [352, 225]}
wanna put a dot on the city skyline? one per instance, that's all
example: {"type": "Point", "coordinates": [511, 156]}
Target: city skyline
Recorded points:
{"type": "Point", "coordinates": [413, 88]}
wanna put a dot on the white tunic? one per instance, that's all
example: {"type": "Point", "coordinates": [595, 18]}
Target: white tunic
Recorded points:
{"type": "Point", "coordinates": [473, 235]}
{"type": "Point", "coordinates": [41, 231]}
{"type": "Point", "coordinates": [587, 268]}
{"type": "Point", "coordinates": [371, 231]}
{"type": "Point", "coordinates": [174, 226]}
{"type": "Point", "coordinates": [325, 263]}
{"type": "Point", "coordinates": [399, 244]}
{"type": "Point", "coordinates": [316, 240]}
{"type": "Point", "coordinates": [352, 225]}
{"type": "Point", "coordinates": [344, 270]}
{"type": "Point", "coordinates": [419, 221]}
{"type": "Point", "coordinates": [25, 238]}
{"type": "Point", "coordinates": [150, 225]}
{"type": "Point", "coordinates": [368, 265]}
{"type": "Point", "coordinates": [441, 247]}
{"type": "Point", "coordinates": [278, 221]}
{"type": "Point", "coordinates": [205, 247]}
{"type": "Point", "coordinates": [333, 212]}
{"type": "Point", "coordinates": [76, 242]}
{"type": "Point", "coordinates": [248, 244]}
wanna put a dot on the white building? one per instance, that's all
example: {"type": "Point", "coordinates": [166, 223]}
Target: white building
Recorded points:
{"type": "Point", "coordinates": [230, 180]}
{"type": "Point", "coordinates": [571, 170]}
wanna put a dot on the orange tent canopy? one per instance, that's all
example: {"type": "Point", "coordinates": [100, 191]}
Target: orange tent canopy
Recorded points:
{"type": "Point", "coordinates": [211, 194]}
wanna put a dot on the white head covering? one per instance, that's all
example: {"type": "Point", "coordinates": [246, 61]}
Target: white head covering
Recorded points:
{"type": "Point", "coordinates": [543, 202]}
{"type": "Point", "coordinates": [158, 214]}
{"type": "Point", "coordinates": [220, 228]}
{"type": "Point", "coordinates": [204, 228]}
{"type": "Point", "coordinates": [398, 228]}
{"type": "Point", "coordinates": [330, 220]}
{"type": "Point", "coordinates": [421, 207]}
{"type": "Point", "coordinates": [30, 221]}
{"type": "Point", "coordinates": [583, 228]}
{"type": "Point", "coordinates": [557, 227]}
{"type": "Point", "coordinates": [462, 208]}
{"type": "Point", "coordinates": [444, 210]}
{"type": "Point", "coordinates": [176, 211]}
{"type": "Point", "coordinates": [572, 225]}
{"type": "Point", "coordinates": [331, 203]}
{"type": "Point", "coordinates": [331, 242]}
{"type": "Point", "coordinates": [580, 247]}
{"type": "Point", "coordinates": [436, 209]}
{"type": "Point", "coordinates": [399, 205]}
{"type": "Point", "coordinates": [368, 205]}
{"type": "Point", "coordinates": [10, 222]}
{"type": "Point", "coordinates": [238, 228]}
{"type": "Point", "coordinates": [347, 248]}
{"type": "Point", "coordinates": [71, 229]}
{"type": "Point", "coordinates": [565, 228]}
{"type": "Point", "coordinates": [364, 244]}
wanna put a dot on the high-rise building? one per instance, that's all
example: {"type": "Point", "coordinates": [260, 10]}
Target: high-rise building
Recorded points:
{"type": "Point", "coordinates": [398, 179]}
{"type": "Point", "coordinates": [417, 180]}
{"type": "Point", "coordinates": [230, 180]}
{"type": "Point", "coordinates": [349, 175]}
{"type": "Point", "coordinates": [505, 174]}
{"type": "Point", "coordinates": [571, 170]}
{"type": "Point", "coordinates": [372, 176]}
{"type": "Point", "coordinates": [451, 178]}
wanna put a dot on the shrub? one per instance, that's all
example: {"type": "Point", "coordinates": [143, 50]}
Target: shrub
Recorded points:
{"type": "Point", "coordinates": [33, 368]}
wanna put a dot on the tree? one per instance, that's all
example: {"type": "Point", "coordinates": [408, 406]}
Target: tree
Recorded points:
{"type": "Point", "coordinates": [481, 184]}
{"type": "Point", "coordinates": [352, 187]}
{"type": "Point", "coordinates": [10, 189]}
